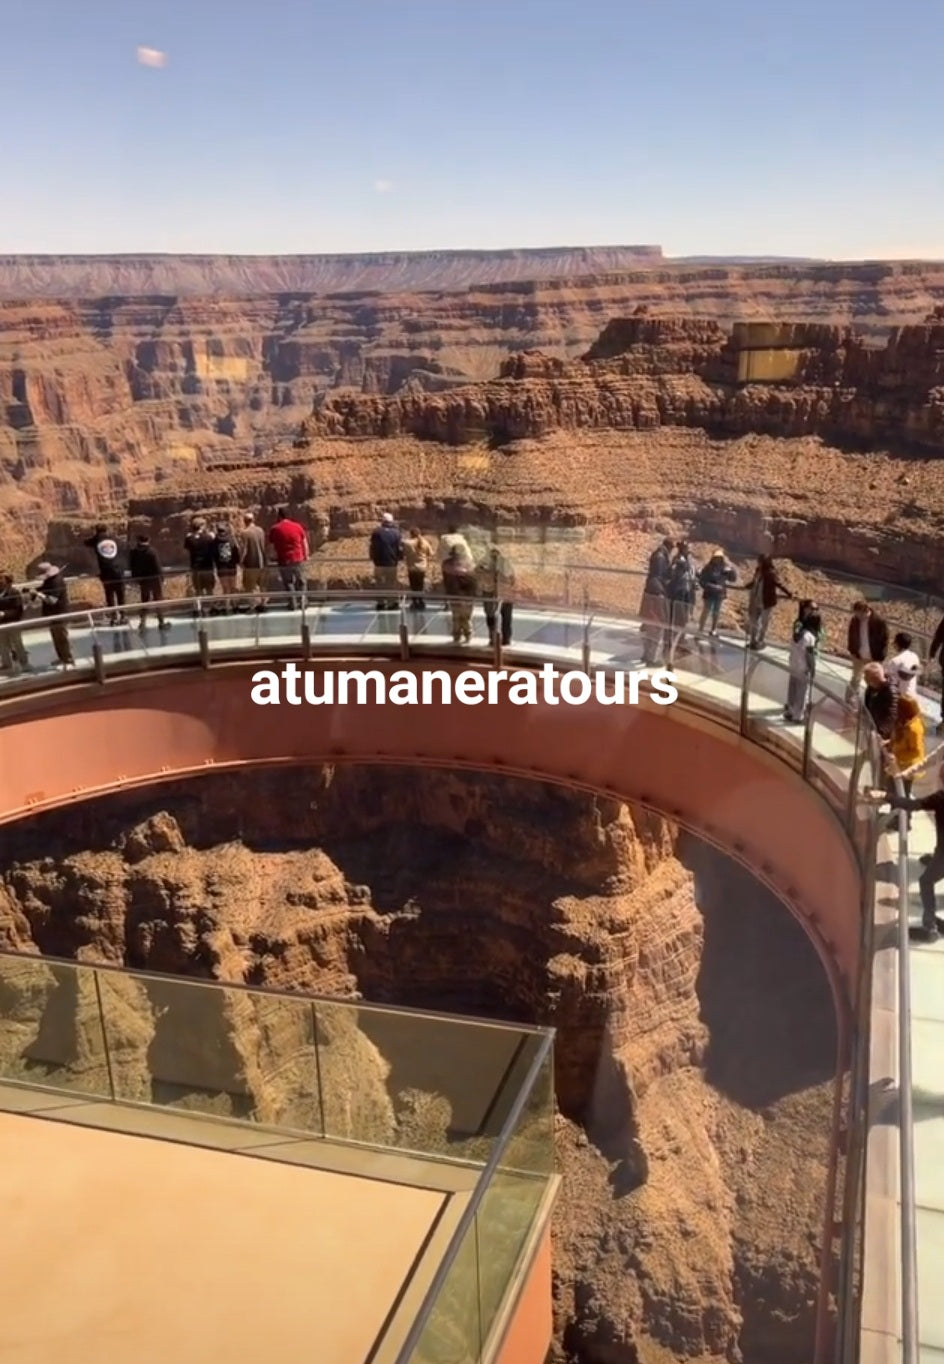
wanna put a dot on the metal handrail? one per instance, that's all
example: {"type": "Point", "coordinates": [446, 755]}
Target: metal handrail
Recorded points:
{"type": "Point", "coordinates": [908, 1194]}
{"type": "Point", "coordinates": [468, 1219]}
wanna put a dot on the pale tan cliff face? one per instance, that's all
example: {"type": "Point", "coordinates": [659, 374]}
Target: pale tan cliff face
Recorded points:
{"type": "Point", "coordinates": [696, 1038]}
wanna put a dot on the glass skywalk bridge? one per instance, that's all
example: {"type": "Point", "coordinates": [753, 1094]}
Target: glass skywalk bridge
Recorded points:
{"type": "Point", "coordinates": [835, 752]}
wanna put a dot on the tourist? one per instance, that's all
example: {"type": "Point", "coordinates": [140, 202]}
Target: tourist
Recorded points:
{"type": "Point", "coordinates": [226, 561]}
{"type": "Point", "coordinates": [252, 553]}
{"type": "Point", "coordinates": [904, 667]}
{"type": "Point", "coordinates": [880, 699]}
{"type": "Point", "coordinates": [714, 579]}
{"type": "Point", "coordinates": [147, 573]}
{"type": "Point", "coordinates": [765, 589]}
{"type": "Point", "coordinates": [201, 548]}
{"type": "Point", "coordinates": [681, 593]}
{"type": "Point", "coordinates": [459, 571]}
{"type": "Point", "coordinates": [653, 610]}
{"type": "Point", "coordinates": [453, 540]}
{"type": "Point", "coordinates": [802, 670]}
{"type": "Point", "coordinates": [417, 552]}
{"type": "Point", "coordinates": [805, 609]}
{"type": "Point", "coordinates": [13, 655]}
{"type": "Point", "coordinates": [386, 551]}
{"type": "Point", "coordinates": [289, 540]}
{"type": "Point", "coordinates": [496, 584]}
{"type": "Point", "coordinates": [936, 650]}
{"type": "Point", "coordinates": [905, 748]}
{"type": "Point", "coordinates": [111, 571]}
{"type": "Point", "coordinates": [933, 871]}
{"type": "Point", "coordinates": [866, 642]}
{"type": "Point", "coordinates": [53, 596]}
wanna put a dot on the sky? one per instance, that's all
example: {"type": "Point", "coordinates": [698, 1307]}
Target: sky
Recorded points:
{"type": "Point", "coordinates": [709, 127]}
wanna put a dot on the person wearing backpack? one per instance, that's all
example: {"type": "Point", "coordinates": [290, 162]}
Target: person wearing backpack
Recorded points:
{"type": "Point", "coordinates": [682, 594]}
{"type": "Point", "coordinates": [226, 558]}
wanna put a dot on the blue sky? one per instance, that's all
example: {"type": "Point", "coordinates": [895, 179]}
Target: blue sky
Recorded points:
{"type": "Point", "coordinates": [708, 126]}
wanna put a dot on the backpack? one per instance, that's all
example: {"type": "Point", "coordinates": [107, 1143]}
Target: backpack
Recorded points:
{"type": "Point", "coordinates": [682, 584]}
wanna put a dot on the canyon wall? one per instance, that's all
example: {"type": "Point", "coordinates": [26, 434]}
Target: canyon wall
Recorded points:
{"type": "Point", "coordinates": [23, 276]}
{"type": "Point", "coordinates": [695, 1030]}
{"type": "Point", "coordinates": [139, 412]}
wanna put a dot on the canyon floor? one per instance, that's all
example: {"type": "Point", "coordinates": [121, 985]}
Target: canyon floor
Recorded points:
{"type": "Point", "coordinates": [696, 1040]}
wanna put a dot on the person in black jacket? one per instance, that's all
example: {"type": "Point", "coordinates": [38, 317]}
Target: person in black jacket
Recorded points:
{"type": "Point", "coordinates": [53, 595]}
{"type": "Point", "coordinates": [13, 655]}
{"type": "Point", "coordinates": [654, 610]}
{"type": "Point", "coordinates": [934, 864]}
{"type": "Point", "coordinates": [866, 642]}
{"type": "Point", "coordinates": [386, 551]}
{"type": "Point", "coordinates": [111, 571]}
{"type": "Point", "coordinates": [936, 650]}
{"type": "Point", "coordinates": [147, 573]}
{"type": "Point", "coordinates": [880, 699]}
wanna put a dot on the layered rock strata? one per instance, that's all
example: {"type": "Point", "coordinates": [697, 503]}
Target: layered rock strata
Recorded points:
{"type": "Point", "coordinates": [695, 1033]}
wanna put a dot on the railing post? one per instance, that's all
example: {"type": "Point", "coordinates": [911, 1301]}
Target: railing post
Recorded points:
{"type": "Point", "coordinates": [203, 639]}
{"type": "Point", "coordinates": [858, 760]}
{"type": "Point", "coordinates": [105, 1047]}
{"type": "Point", "coordinates": [404, 632]}
{"type": "Point", "coordinates": [745, 692]}
{"type": "Point", "coordinates": [98, 657]}
{"type": "Point", "coordinates": [497, 645]}
{"type": "Point", "coordinates": [314, 1038]}
{"type": "Point", "coordinates": [586, 644]}
{"type": "Point", "coordinates": [306, 639]}
{"type": "Point", "coordinates": [807, 744]}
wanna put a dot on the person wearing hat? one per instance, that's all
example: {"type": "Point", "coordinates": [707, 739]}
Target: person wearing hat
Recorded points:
{"type": "Point", "coordinates": [53, 596]}
{"type": "Point", "coordinates": [714, 580]}
{"type": "Point", "coordinates": [386, 551]}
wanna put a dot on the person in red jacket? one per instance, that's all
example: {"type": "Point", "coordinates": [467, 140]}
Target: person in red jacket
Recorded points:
{"type": "Point", "coordinates": [289, 541]}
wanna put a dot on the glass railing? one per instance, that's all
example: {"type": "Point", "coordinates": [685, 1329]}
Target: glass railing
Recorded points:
{"type": "Point", "coordinates": [745, 688]}
{"type": "Point", "coordinates": [557, 576]}
{"type": "Point", "coordinates": [435, 1086]}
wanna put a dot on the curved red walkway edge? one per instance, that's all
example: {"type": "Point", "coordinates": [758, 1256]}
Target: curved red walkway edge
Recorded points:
{"type": "Point", "coordinates": [60, 747]}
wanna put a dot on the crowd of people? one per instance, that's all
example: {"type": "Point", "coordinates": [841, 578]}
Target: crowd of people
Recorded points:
{"type": "Point", "coordinates": [241, 562]}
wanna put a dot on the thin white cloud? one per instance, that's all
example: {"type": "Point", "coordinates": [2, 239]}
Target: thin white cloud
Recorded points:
{"type": "Point", "coordinates": [383, 186]}
{"type": "Point", "coordinates": [151, 56]}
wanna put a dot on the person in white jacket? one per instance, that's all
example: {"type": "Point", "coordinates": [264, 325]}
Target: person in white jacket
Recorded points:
{"type": "Point", "coordinates": [904, 668]}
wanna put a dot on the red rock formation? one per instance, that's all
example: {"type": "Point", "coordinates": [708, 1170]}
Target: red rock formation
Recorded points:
{"type": "Point", "coordinates": [645, 372]}
{"type": "Point", "coordinates": [691, 1138]}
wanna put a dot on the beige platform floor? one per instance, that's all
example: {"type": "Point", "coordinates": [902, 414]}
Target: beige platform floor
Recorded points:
{"type": "Point", "coordinates": [128, 1249]}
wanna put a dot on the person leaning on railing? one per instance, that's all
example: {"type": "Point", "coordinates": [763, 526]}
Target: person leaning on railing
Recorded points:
{"type": "Point", "coordinates": [933, 871]}
{"type": "Point", "coordinates": [936, 651]}
{"type": "Point", "coordinates": [13, 655]}
{"type": "Point", "coordinates": [53, 596]}
{"type": "Point", "coordinates": [147, 573]}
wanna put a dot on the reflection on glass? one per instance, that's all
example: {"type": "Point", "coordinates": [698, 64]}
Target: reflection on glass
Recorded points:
{"type": "Point", "coordinates": [50, 1027]}
{"type": "Point", "coordinates": [452, 1333]}
{"type": "Point", "coordinates": [436, 1086]}
{"type": "Point", "coordinates": [510, 1204]}
{"type": "Point", "coordinates": [212, 1050]}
